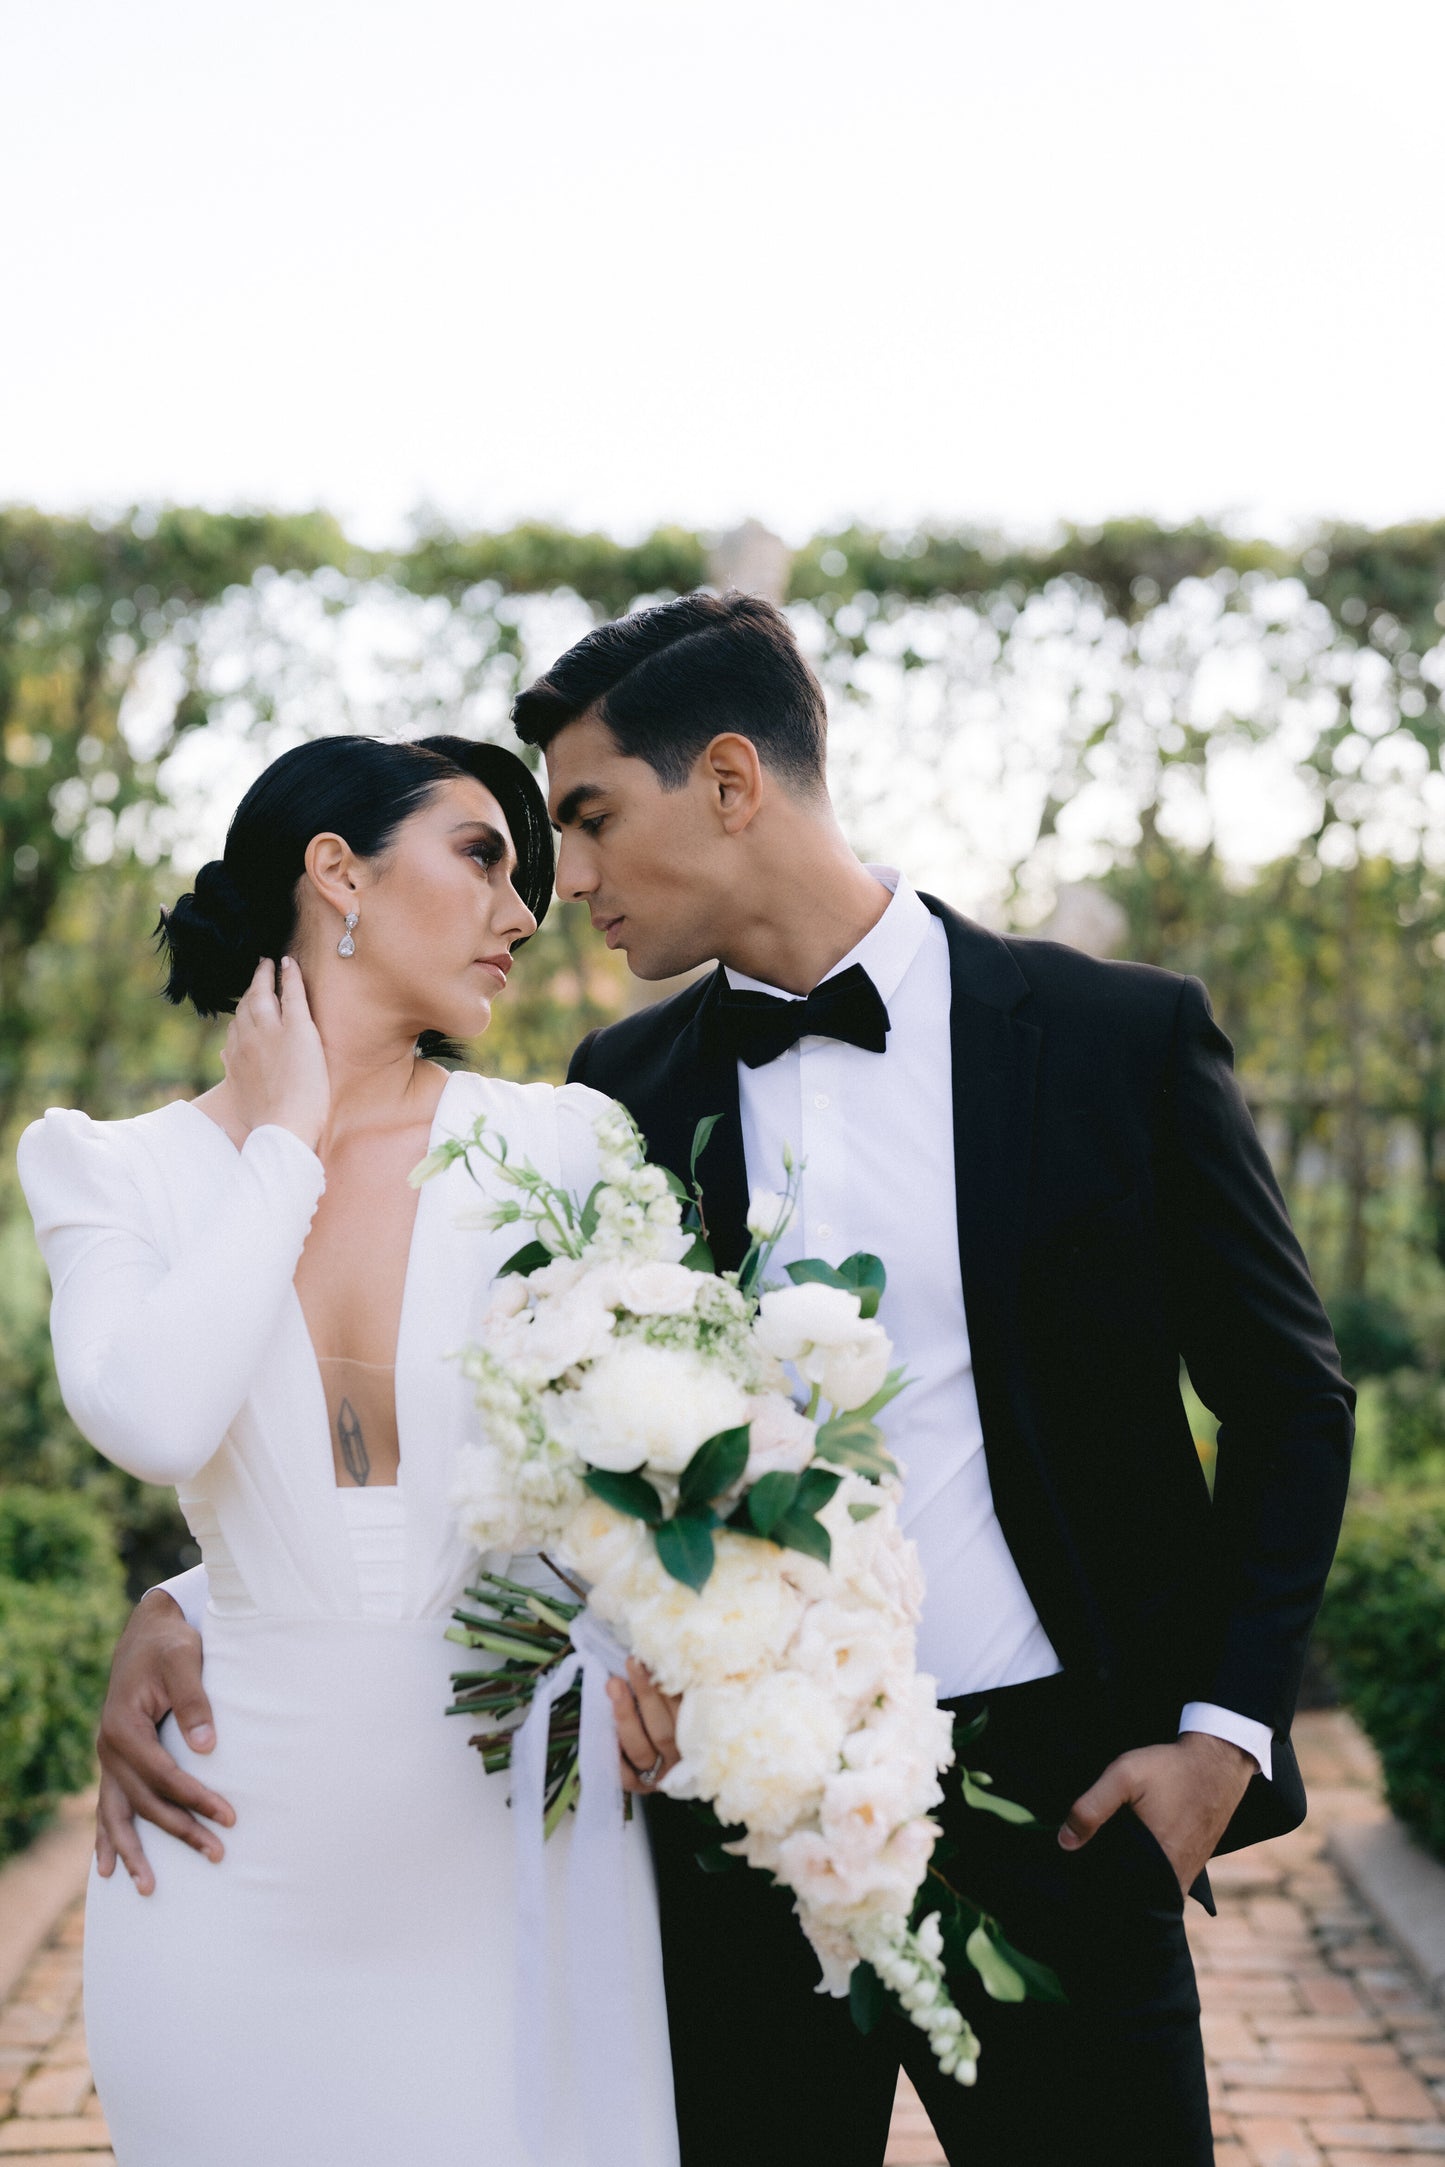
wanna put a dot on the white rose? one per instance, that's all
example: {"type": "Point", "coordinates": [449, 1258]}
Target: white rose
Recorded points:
{"type": "Point", "coordinates": [769, 1215]}
{"type": "Point", "coordinates": [851, 1373]}
{"type": "Point", "coordinates": [557, 1278]}
{"type": "Point", "coordinates": [559, 1334]}
{"type": "Point", "coordinates": [781, 1439]}
{"type": "Point", "coordinates": [642, 1403]}
{"type": "Point", "coordinates": [655, 1289]}
{"type": "Point", "coordinates": [760, 1752]}
{"type": "Point", "coordinates": [794, 1320]}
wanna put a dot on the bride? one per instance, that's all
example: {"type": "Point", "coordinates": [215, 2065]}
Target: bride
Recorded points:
{"type": "Point", "coordinates": [251, 1303]}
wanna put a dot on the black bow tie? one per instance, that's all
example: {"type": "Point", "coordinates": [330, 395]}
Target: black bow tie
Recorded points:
{"type": "Point", "coordinates": [757, 1027]}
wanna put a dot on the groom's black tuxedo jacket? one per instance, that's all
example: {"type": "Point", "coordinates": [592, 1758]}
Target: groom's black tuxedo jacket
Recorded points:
{"type": "Point", "coordinates": [1116, 1213]}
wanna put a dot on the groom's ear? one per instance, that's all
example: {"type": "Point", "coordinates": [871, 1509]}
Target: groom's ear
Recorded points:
{"type": "Point", "coordinates": [733, 774]}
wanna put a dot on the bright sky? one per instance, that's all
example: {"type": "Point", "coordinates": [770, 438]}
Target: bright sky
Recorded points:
{"type": "Point", "coordinates": [622, 261]}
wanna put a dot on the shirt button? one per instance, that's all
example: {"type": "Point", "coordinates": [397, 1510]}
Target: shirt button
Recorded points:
{"type": "Point", "coordinates": [821, 1101]}
{"type": "Point", "coordinates": [824, 1231]}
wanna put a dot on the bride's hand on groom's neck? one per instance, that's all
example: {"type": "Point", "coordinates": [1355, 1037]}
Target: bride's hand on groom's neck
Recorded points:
{"type": "Point", "coordinates": [1185, 1793]}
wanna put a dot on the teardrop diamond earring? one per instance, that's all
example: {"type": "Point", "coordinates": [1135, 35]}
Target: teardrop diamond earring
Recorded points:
{"type": "Point", "coordinates": [346, 946]}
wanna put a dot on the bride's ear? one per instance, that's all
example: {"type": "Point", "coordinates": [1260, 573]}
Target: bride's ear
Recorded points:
{"type": "Point", "coordinates": [331, 868]}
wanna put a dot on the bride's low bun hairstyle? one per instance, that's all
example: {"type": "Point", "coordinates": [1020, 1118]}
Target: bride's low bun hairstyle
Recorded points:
{"type": "Point", "coordinates": [210, 943]}
{"type": "Point", "coordinates": [243, 905]}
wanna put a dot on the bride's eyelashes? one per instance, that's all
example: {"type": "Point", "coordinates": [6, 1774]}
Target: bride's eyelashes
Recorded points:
{"type": "Point", "coordinates": [593, 824]}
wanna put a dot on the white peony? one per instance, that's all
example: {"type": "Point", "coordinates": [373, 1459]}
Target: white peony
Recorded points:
{"type": "Point", "coordinates": [735, 1626]}
{"type": "Point", "coordinates": [781, 1440]}
{"type": "Point", "coordinates": [761, 1752]}
{"type": "Point", "coordinates": [645, 1404]}
{"type": "Point", "coordinates": [792, 1321]}
{"type": "Point", "coordinates": [851, 1649]}
{"type": "Point", "coordinates": [597, 1541]}
{"type": "Point", "coordinates": [863, 1878]}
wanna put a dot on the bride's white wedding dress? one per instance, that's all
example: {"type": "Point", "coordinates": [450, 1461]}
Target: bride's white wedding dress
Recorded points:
{"type": "Point", "coordinates": [338, 1992]}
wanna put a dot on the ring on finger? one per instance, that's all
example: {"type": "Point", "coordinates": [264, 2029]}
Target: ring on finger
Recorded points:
{"type": "Point", "coordinates": [647, 1777]}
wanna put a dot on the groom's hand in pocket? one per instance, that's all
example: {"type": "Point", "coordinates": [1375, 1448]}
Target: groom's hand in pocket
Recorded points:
{"type": "Point", "coordinates": [646, 1727]}
{"type": "Point", "coordinates": [155, 1672]}
{"type": "Point", "coordinates": [1185, 1793]}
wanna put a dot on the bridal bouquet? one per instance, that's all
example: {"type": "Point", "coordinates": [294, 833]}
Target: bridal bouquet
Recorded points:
{"type": "Point", "coordinates": [639, 1427]}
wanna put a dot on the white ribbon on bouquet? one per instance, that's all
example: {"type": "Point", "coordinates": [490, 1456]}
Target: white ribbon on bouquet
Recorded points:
{"type": "Point", "coordinates": [601, 1996]}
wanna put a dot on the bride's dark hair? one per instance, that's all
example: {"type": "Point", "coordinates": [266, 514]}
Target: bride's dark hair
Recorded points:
{"type": "Point", "coordinates": [243, 905]}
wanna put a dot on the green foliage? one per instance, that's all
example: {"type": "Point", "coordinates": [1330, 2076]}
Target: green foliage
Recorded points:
{"type": "Point", "coordinates": [1383, 1628]}
{"type": "Point", "coordinates": [1372, 1334]}
{"type": "Point", "coordinates": [61, 1606]}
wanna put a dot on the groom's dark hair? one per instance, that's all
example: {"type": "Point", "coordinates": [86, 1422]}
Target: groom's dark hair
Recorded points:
{"type": "Point", "coordinates": [666, 681]}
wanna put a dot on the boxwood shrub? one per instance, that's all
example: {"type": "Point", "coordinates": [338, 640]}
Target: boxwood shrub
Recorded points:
{"type": "Point", "coordinates": [1383, 1630]}
{"type": "Point", "coordinates": [62, 1603]}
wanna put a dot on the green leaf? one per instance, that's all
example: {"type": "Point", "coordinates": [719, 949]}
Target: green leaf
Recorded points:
{"type": "Point", "coordinates": [701, 1137]}
{"type": "Point", "coordinates": [589, 1212]}
{"type": "Point", "coordinates": [675, 1184]}
{"type": "Point", "coordinates": [1000, 1980]}
{"type": "Point", "coordinates": [866, 1276]}
{"type": "Point", "coordinates": [700, 1258]}
{"type": "Point", "coordinates": [529, 1259]}
{"type": "Point", "coordinates": [867, 1997]}
{"type": "Point", "coordinates": [854, 1442]}
{"type": "Point", "coordinates": [715, 1860]}
{"type": "Point", "coordinates": [685, 1548]}
{"type": "Point", "coordinates": [895, 1382]}
{"type": "Point", "coordinates": [812, 1271]}
{"type": "Point", "coordinates": [1041, 1983]}
{"type": "Point", "coordinates": [800, 1531]}
{"type": "Point", "coordinates": [713, 1468]}
{"type": "Point", "coordinates": [769, 1498]}
{"type": "Point", "coordinates": [967, 1734]}
{"type": "Point", "coordinates": [816, 1488]}
{"type": "Point", "coordinates": [863, 1512]}
{"type": "Point", "coordinates": [632, 1494]}
{"type": "Point", "coordinates": [977, 1794]}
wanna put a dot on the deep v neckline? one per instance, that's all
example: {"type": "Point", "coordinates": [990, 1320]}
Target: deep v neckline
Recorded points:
{"type": "Point", "coordinates": [318, 1382]}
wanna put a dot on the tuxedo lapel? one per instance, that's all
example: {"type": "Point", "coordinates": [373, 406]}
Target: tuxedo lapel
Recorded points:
{"type": "Point", "coordinates": [700, 1078]}
{"type": "Point", "coordinates": [995, 1062]}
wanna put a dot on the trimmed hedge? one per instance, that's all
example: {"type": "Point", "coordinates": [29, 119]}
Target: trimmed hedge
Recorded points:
{"type": "Point", "coordinates": [62, 1603]}
{"type": "Point", "coordinates": [1383, 1630]}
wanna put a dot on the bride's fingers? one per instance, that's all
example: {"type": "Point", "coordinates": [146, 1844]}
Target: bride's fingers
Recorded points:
{"type": "Point", "coordinates": [657, 1709]}
{"type": "Point", "coordinates": [637, 1749]}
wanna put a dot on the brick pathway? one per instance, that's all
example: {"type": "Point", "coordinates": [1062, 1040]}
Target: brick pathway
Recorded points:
{"type": "Point", "coordinates": [1322, 2051]}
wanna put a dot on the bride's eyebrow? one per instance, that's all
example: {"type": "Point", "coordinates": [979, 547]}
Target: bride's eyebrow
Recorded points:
{"type": "Point", "coordinates": [484, 832]}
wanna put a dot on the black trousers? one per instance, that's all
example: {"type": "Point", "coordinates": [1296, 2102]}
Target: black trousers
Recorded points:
{"type": "Point", "coordinates": [770, 2073]}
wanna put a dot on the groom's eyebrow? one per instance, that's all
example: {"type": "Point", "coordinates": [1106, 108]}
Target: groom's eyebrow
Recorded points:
{"type": "Point", "coordinates": [573, 803]}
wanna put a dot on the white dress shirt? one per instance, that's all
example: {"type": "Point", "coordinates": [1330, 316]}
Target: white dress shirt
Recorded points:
{"type": "Point", "coordinates": [874, 1133]}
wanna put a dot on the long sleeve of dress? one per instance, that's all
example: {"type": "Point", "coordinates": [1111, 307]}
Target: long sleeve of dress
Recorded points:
{"type": "Point", "coordinates": [156, 1358]}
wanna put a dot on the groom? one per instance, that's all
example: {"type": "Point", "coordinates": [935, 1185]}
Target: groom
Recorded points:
{"type": "Point", "coordinates": [1054, 1161]}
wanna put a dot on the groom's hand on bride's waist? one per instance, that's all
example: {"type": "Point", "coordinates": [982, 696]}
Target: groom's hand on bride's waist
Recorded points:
{"type": "Point", "coordinates": [1185, 1793]}
{"type": "Point", "coordinates": [155, 1672]}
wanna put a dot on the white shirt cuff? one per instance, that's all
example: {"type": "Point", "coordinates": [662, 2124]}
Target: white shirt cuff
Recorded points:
{"type": "Point", "coordinates": [1256, 1739]}
{"type": "Point", "coordinates": [192, 1591]}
